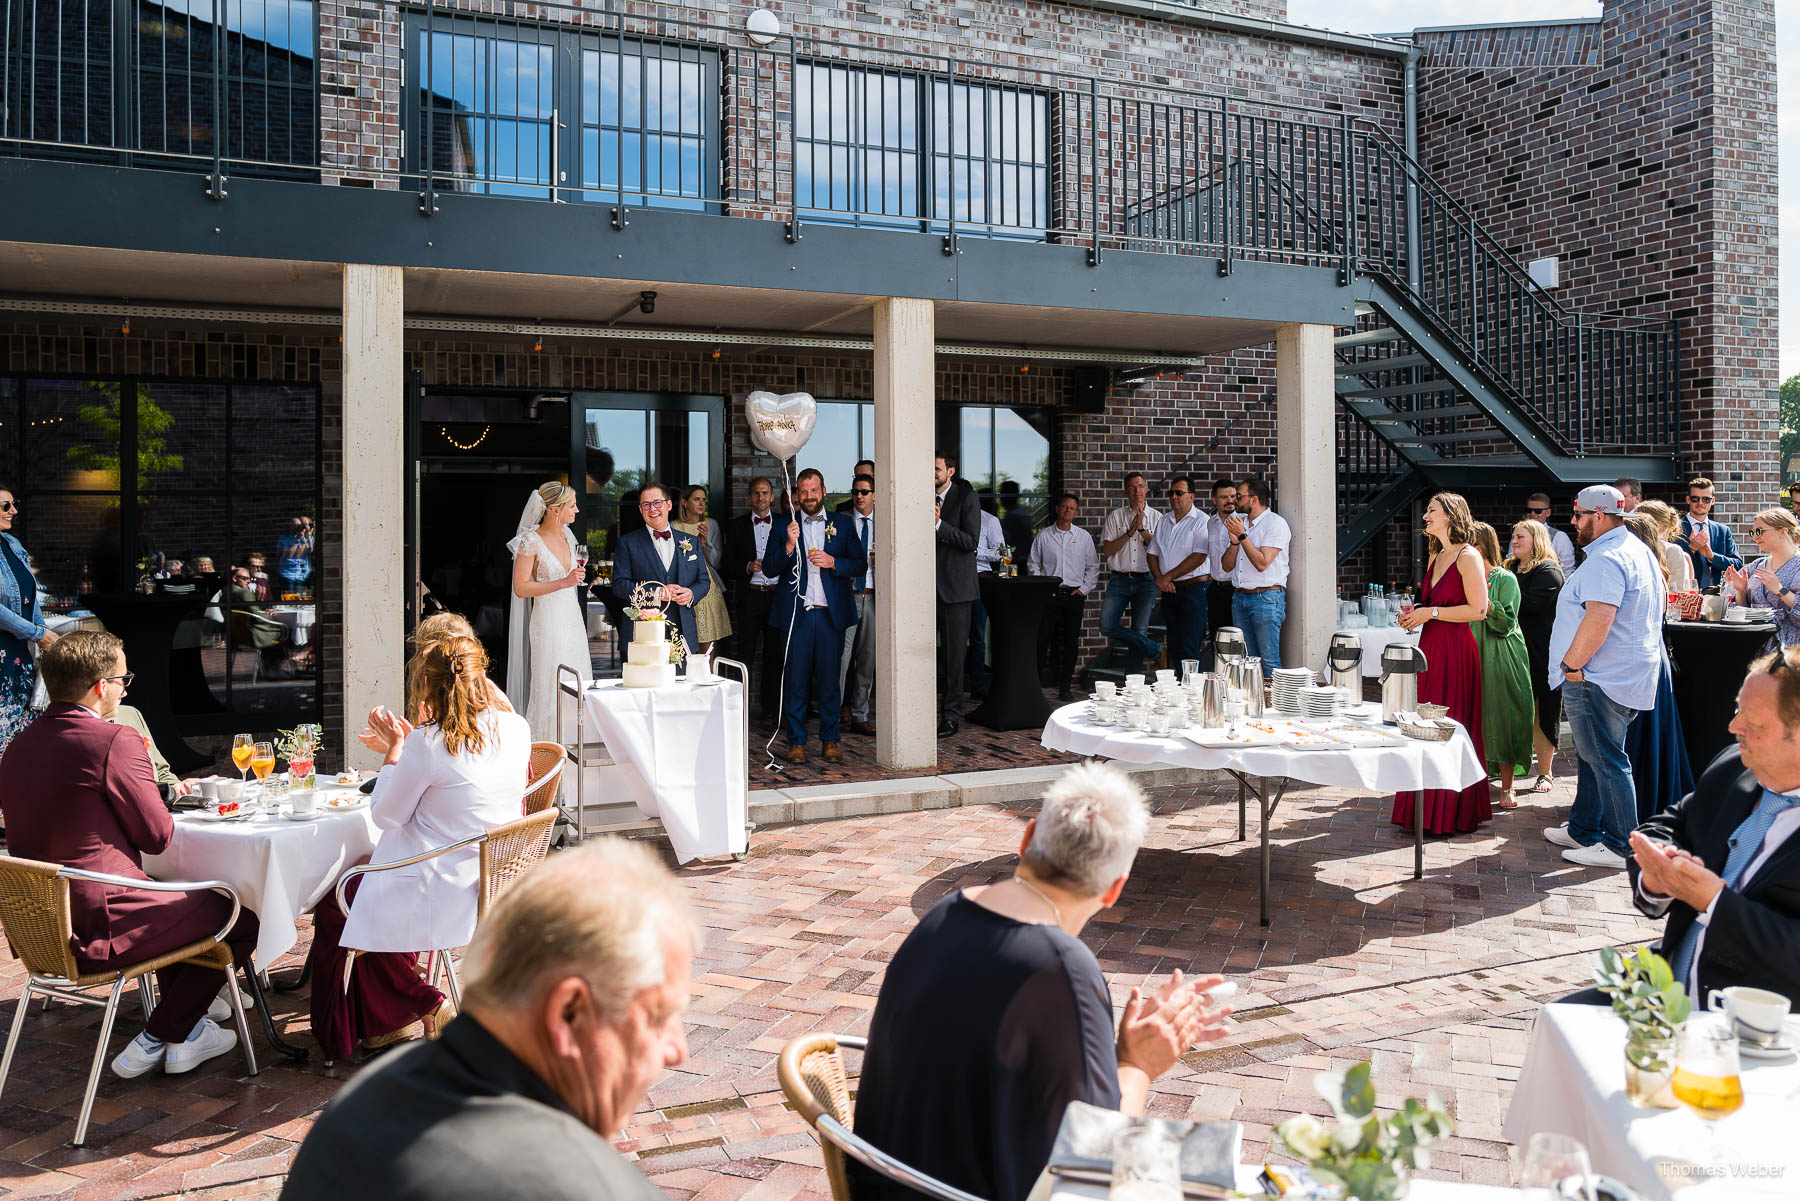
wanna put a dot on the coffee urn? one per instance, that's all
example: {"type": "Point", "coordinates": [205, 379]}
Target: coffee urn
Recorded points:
{"type": "Point", "coordinates": [1401, 664]}
{"type": "Point", "coordinates": [1229, 640]}
{"type": "Point", "coordinates": [1345, 662]}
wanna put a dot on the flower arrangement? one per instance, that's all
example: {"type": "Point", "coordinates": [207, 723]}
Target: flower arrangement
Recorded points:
{"type": "Point", "coordinates": [1366, 1156]}
{"type": "Point", "coordinates": [1653, 1004]}
{"type": "Point", "coordinates": [678, 650]}
{"type": "Point", "coordinates": [300, 747]}
{"type": "Point", "coordinates": [645, 603]}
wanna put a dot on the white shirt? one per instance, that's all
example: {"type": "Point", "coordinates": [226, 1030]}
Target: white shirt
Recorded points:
{"type": "Point", "coordinates": [1218, 541]}
{"type": "Point", "coordinates": [940, 503]}
{"type": "Point", "coordinates": [665, 547]}
{"type": "Point", "coordinates": [1069, 554]}
{"type": "Point", "coordinates": [759, 532]}
{"type": "Point", "coordinates": [1131, 556]}
{"type": "Point", "coordinates": [865, 533]}
{"type": "Point", "coordinates": [1564, 546]}
{"type": "Point", "coordinates": [1271, 529]}
{"type": "Point", "coordinates": [987, 547]}
{"type": "Point", "coordinates": [1176, 539]}
{"type": "Point", "coordinates": [813, 531]}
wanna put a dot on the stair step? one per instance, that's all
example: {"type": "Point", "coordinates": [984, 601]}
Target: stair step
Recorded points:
{"type": "Point", "coordinates": [1487, 435]}
{"type": "Point", "coordinates": [1376, 413]}
{"type": "Point", "coordinates": [1367, 337]}
{"type": "Point", "coordinates": [1364, 308]}
{"type": "Point", "coordinates": [1426, 388]}
{"type": "Point", "coordinates": [1397, 363]}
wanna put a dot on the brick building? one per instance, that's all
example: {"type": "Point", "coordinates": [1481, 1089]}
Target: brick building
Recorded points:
{"type": "Point", "coordinates": [1103, 213]}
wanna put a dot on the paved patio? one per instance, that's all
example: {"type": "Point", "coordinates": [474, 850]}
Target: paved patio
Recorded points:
{"type": "Point", "coordinates": [1434, 981]}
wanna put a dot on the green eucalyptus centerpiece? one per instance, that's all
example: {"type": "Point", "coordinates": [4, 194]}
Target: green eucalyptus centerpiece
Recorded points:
{"type": "Point", "coordinates": [1653, 1004]}
{"type": "Point", "coordinates": [1365, 1155]}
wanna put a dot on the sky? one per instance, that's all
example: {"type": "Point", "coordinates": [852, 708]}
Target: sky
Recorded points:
{"type": "Point", "coordinates": [1392, 16]}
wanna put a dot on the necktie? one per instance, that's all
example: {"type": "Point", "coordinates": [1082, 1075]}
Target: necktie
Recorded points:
{"type": "Point", "coordinates": [862, 533]}
{"type": "Point", "coordinates": [1746, 844]}
{"type": "Point", "coordinates": [661, 535]}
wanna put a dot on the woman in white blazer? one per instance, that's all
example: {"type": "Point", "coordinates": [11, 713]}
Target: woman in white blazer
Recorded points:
{"type": "Point", "coordinates": [460, 772]}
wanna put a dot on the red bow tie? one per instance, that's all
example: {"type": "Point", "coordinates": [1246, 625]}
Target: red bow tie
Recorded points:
{"type": "Point", "coordinates": [661, 534]}
{"type": "Point", "coordinates": [763, 520]}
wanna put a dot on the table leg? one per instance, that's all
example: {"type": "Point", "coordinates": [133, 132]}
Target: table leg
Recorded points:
{"type": "Point", "coordinates": [1418, 833]}
{"type": "Point", "coordinates": [297, 1054]}
{"type": "Point", "coordinates": [1263, 885]}
{"type": "Point", "coordinates": [1265, 806]}
{"type": "Point", "coordinates": [1241, 800]}
{"type": "Point", "coordinates": [297, 983]}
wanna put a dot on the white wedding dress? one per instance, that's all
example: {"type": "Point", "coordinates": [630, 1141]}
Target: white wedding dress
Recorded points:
{"type": "Point", "coordinates": [548, 632]}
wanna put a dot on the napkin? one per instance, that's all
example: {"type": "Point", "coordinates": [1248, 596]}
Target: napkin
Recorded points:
{"type": "Point", "coordinates": [1209, 1150]}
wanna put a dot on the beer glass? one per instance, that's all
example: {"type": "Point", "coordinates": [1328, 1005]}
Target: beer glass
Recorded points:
{"type": "Point", "coordinates": [1706, 1072]}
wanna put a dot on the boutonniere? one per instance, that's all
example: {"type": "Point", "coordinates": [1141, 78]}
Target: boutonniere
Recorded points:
{"type": "Point", "coordinates": [685, 544]}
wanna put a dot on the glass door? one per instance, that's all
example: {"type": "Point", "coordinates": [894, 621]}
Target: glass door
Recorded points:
{"type": "Point", "coordinates": [621, 440]}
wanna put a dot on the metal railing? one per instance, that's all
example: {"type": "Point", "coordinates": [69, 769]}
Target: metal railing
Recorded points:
{"type": "Point", "coordinates": [567, 104]}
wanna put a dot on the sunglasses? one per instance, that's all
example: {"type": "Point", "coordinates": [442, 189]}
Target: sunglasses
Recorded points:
{"type": "Point", "coordinates": [1700, 500]}
{"type": "Point", "coordinates": [1757, 531]}
{"type": "Point", "coordinates": [1179, 492]}
{"type": "Point", "coordinates": [7, 506]}
{"type": "Point", "coordinates": [1585, 512]}
{"type": "Point", "coordinates": [1537, 509]}
{"type": "Point", "coordinates": [125, 679]}
{"type": "Point", "coordinates": [862, 492]}
{"type": "Point", "coordinates": [1779, 662]}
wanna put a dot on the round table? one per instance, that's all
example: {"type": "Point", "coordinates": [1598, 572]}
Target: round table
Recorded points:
{"type": "Point", "coordinates": [1015, 609]}
{"type": "Point", "coordinates": [1710, 660]}
{"type": "Point", "coordinates": [1411, 766]}
{"type": "Point", "coordinates": [298, 619]}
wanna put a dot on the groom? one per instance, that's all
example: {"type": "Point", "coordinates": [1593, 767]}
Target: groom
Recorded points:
{"type": "Point", "coordinates": [663, 556]}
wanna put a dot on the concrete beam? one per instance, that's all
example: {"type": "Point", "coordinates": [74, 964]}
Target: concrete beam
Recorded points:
{"type": "Point", "coordinates": [373, 558]}
{"type": "Point", "coordinates": [905, 552]}
{"type": "Point", "coordinates": [1306, 487]}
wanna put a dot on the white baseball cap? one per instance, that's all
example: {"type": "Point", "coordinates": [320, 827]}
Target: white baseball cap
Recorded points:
{"type": "Point", "coordinates": [1601, 498]}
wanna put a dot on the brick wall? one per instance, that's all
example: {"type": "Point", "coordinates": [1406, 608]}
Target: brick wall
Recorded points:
{"type": "Point", "coordinates": [1641, 151]}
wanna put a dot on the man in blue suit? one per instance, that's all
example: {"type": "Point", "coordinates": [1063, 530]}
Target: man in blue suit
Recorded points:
{"type": "Point", "coordinates": [1708, 543]}
{"type": "Point", "coordinates": [815, 569]}
{"type": "Point", "coordinates": [664, 556]}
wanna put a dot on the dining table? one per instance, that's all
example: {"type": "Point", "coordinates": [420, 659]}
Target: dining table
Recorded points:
{"type": "Point", "coordinates": [1573, 1083]}
{"type": "Point", "coordinates": [1707, 662]}
{"type": "Point", "coordinates": [1015, 609]}
{"type": "Point", "coordinates": [1267, 772]}
{"type": "Point", "coordinates": [1063, 1188]}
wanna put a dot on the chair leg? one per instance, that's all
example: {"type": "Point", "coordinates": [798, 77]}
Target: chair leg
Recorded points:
{"type": "Point", "coordinates": [146, 984]}
{"type": "Point", "coordinates": [237, 1009]}
{"type": "Point", "coordinates": [12, 1040]}
{"type": "Point", "coordinates": [93, 1081]}
{"type": "Point", "coordinates": [452, 985]}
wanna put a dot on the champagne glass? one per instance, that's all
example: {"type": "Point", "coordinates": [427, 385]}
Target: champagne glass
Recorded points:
{"type": "Point", "coordinates": [1556, 1168]}
{"type": "Point", "coordinates": [1706, 1073]}
{"type": "Point", "coordinates": [262, 760]}
{"type": "Point", "coordinates": [240, 755]}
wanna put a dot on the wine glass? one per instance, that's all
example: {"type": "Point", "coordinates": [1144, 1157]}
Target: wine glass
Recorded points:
{"type": "Point", "coordinates": [240, 755]}
{"type": "Point", "coordinates": [262, 760]}
{"type": "Point", "coordinates": [300, 763]}
{"type": "Point", "coordinates": [1556, 1168]}
{"type": "Point", "coordinates": [1706, 1073]}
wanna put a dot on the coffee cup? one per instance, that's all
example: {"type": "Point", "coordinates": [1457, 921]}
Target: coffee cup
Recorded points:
{"type": "Point", "coordinates": [230, 790]}
{"type": "Point", "coordinates": [1757, 1013]}
{"type": "Point", "coordinates": [303, 801]}
{"type": "Point", "coordinates": [208, 788]}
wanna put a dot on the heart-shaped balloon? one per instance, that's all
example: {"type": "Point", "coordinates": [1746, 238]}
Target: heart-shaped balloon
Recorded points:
{"type": "Point", "coordinates": [781, 425]}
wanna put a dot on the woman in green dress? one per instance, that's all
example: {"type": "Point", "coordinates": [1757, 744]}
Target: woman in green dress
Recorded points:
{"type": "Point", "coordinates": [1505, 673]}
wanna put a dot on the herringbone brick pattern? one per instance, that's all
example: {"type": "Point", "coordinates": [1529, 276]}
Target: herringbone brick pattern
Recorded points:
{"type": "Point", "coordinates": [1434, 981]}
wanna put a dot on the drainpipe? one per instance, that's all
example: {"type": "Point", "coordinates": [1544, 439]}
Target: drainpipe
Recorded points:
{"type": "Point", "coordinates": [1410, 118]}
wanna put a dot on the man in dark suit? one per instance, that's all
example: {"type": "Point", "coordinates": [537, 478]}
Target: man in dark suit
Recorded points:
{"type": "Point", "coordinates": [552, 1052]}
{"type": "Point", "coordinates": [79, 791]}
{"type": "Point", "coordinates": [863, 467]}
{"type": "Point", "coordinates": [753, 593]}
{"type": "Point", "coordinates": [958, 532]}
{"type": "Point", "coordinates": [817, 567]}
{"type": "Point", "coordinates": [659, 555]}
{"type": "Point", "coordinates": [1723, 864]}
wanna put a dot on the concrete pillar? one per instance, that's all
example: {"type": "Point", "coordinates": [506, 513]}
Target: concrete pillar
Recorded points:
{"type": "Point", "coordinates": [1306, 487]}
{"type": "Point", "coordinates": [905, 547]}
{"type": "Point", "coordinates": [372, 556]}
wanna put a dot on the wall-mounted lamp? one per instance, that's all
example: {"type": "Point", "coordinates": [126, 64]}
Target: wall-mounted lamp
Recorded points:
{"type": "Point", "coordinates": [763, 27]}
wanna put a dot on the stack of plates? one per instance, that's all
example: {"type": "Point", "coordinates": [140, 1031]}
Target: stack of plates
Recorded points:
{"type": "Point", "coordinates": [1288, 683]}
{"type": "Point", "coordinates": [1318, 703]}
{"type": "Point", "coordinates": [1749, 613]}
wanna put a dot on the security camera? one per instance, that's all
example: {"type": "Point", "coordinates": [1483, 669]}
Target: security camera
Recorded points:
{"type": "Point", "coordinates": [646, 302]}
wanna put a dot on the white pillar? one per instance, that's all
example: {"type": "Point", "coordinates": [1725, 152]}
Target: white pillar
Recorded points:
{"type": "Point", "coordinates": [1306, 487]}
{"type": "Point", "coordinates": [905, 547]}
{"type": "Point", "coordinates": [372, 558]}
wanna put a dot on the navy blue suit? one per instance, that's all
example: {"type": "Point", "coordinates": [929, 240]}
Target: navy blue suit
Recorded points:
{"type": "Point", "coordinates": [817, 642]}
{"type": "Point", "coordinates": [637, 561]}
{"type": "Point", "coordinates": [1724, 547]}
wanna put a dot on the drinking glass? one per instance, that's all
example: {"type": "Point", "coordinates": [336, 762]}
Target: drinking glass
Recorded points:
{"type": "Point", "coordinates": [262, 759]}
{"type": "Point", "coordinates": [1146, 1165]}
{"type": "Point", "coordinates": [1706, 1073]}
{"type": "Point", "coordinates": [240, 755]}
{"type": "Point", "coordinates": [1556, 1168]}
{"type": "Point", "coordinates": [300, 765]}
{"type": "Point", "coordinates": [581, 556]}
{"type": "Point", "coordinates": [1189, 669]}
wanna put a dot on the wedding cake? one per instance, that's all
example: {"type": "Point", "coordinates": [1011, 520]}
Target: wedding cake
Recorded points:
{"type": "Point", "coordinates": [647, 663]}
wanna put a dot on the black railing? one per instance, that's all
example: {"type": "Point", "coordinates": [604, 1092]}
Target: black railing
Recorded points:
{"type": "Point", "coordinates": [575, 105]}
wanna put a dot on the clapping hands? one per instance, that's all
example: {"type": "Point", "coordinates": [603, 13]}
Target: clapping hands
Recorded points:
{"type": "Point", "coordinates": [1158, 1030]}
{"type": "Point", "coordinates": [385, 733]}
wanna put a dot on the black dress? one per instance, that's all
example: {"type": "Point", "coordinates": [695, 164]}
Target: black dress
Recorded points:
{"type": "Point", "coordinates": [985, 1030]}
{"type": "Point", "coordinates": [1538, 590]}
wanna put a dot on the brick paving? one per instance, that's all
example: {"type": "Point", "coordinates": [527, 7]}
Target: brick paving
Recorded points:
{"type": "Point", "coordinates": [1433, 981]}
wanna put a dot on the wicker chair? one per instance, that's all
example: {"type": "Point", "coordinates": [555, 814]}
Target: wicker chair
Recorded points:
{"type": "Point", "coordinates": [812, 1076]}
{"type": "Point", "coordinates": [34, 909]}
{"type": "Point", "coordinates": [547, 759]}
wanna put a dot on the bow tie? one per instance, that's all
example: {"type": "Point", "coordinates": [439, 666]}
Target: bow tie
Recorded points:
{"type": "Point", "coordinates": [763, 520]}
{"type": "Point", "coordinates": [663, 534]}
{"type": "Point", "coordinates": [816, 518]}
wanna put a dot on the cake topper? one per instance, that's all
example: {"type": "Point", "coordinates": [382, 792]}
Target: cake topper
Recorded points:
{"type": "Point", "coordinates": [646, 602]}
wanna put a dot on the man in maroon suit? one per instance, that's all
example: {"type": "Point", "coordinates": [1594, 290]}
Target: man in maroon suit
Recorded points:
{"type": "Point", "coordinates": [79, 791]}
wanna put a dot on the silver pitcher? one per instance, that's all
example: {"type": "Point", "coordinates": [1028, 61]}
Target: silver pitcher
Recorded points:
{"type": "Point", "coordinates": [1401, 663]}
{"type": "Point", "coordinates": [1345, 661]}
{"type": "Point", "coordinates": [1212, 701]}
{"type": "Point", "coordinates": [1247, 676]}
{"type": "Point", "coordinates": [1229, 640]}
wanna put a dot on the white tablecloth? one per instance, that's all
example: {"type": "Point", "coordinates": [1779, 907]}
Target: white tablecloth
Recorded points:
{"type": "Point", "coordinates": [1416, 764]}
{"type": "Point", "coordinates": [1060, 1188]}
{"type": "Point", "coordinates": [1375, 640]}
{"type": "Point", "coordinates": [280, 868]}
{"type": "Point", "coordinates": [298, 619]}
{"type": "Point", "coordinates": [683, 758]}
{"type": "Point", "coordinates": [1573, 1082]}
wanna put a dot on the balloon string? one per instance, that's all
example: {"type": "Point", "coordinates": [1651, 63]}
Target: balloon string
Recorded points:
{"type": "Point", "coordinates": [787, 486]}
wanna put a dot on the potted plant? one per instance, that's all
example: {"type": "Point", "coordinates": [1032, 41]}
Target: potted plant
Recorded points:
{"type": "Point", "coordinates": [1653, 1004]}
{"type": "Point", "coordinates": [1364, 1155]}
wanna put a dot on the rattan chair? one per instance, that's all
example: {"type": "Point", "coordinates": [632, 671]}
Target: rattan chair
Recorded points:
{"type": "Point", "coordinates": [34, 909]}
{"type": "Point", "coordinates": [812, 1076]}
{"type": "Point", "coordinates": [547, 759]}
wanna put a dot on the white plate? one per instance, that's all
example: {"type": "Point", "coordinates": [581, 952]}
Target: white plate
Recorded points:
{"type": "Point", "coordinates": [344, 802]}
{"type": "Point", "coordinates": [1313, 744]}
{"type": "Point", "coordinates": [1220, 740]}
{"type": "Point", "coordinates": [205, 815]}
{"type": "Point", "coordinates": [290, 815]}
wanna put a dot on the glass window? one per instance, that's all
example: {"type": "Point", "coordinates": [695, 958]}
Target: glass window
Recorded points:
{"type": "Point", "coordinates": [492, 101]}
{"type": "Point", "coordinates": [61, 58]}
{"type": "Point", "coordinates": [648, 111]}
{"type": "Point", "coordinates": [1001, 447]}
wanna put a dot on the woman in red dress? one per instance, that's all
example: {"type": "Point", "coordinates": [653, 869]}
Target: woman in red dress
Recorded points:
{"type": "Point", "coordinates": [1453, 575]}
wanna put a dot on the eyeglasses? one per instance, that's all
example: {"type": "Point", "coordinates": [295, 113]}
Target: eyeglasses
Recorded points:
{"type": "Point", "coordinates": [1537, 508]}
{"type": "Point", "coordinates": [124, 680]}
{"type": "Point", "coordinates": [862, 492]}
{"type": "Point", "coordinates": [1700, 500]}
{"type": "Point", "coordinates": [651, 506]}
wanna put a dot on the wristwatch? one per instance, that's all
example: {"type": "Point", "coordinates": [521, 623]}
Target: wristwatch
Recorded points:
{"type": "Point", "coordinates": [1566, 669]}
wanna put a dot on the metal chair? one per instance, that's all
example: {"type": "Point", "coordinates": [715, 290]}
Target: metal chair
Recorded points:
{"type": "Point", "coordinates": [34, 909]}
{"type": "Point", "coordinates": [507, 852]}
{"type": "Point", "coordinates": [547, 759]}
{"type": "Point", "coordinates": [812, 1076]}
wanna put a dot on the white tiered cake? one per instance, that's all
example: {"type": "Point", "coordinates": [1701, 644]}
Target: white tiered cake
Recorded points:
{"type": "Point", "coordinates": [647, 658]}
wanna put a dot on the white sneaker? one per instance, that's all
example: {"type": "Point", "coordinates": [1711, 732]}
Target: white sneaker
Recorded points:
{"type": "Point", "coordinates": [1561, 837]}
{"type": "Point", "coordinates": [209, 1042]}
{"type": "Point", "coordinates": [220, 1009]}
{"type": "Point", "coordinates": [138, 1057]}
{"type": "Point", "coordinates": [1595, 856]}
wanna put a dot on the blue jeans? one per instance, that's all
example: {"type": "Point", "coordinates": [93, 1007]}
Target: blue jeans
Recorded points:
{"type": "Point", "coordinates": [1184, 613]}
{"type": "Point", "coordinates": [1605, 808]}
{"type": "Point", "coordinates": [1259, 615]}
{"type": "Point", "coordinates": [1139, 593]}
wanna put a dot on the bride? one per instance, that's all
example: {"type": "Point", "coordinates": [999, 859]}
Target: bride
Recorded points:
{"type": "Point", "coordinates": [548, 626]}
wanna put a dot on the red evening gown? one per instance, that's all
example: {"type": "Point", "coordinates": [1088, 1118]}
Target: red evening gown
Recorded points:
{"type": "Point", "coordinates": [1452, 677]}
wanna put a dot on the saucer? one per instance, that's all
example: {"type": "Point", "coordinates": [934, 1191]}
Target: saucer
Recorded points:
{"type": "Point", "coordinates": [314, 816]}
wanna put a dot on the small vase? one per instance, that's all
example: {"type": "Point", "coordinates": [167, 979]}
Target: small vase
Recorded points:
{"type": "Point", "coordinates": [1649, 1066]}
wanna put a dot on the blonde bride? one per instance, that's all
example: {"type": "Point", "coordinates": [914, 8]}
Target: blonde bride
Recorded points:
{"type": "Point", "coordinates": [548, 627]}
